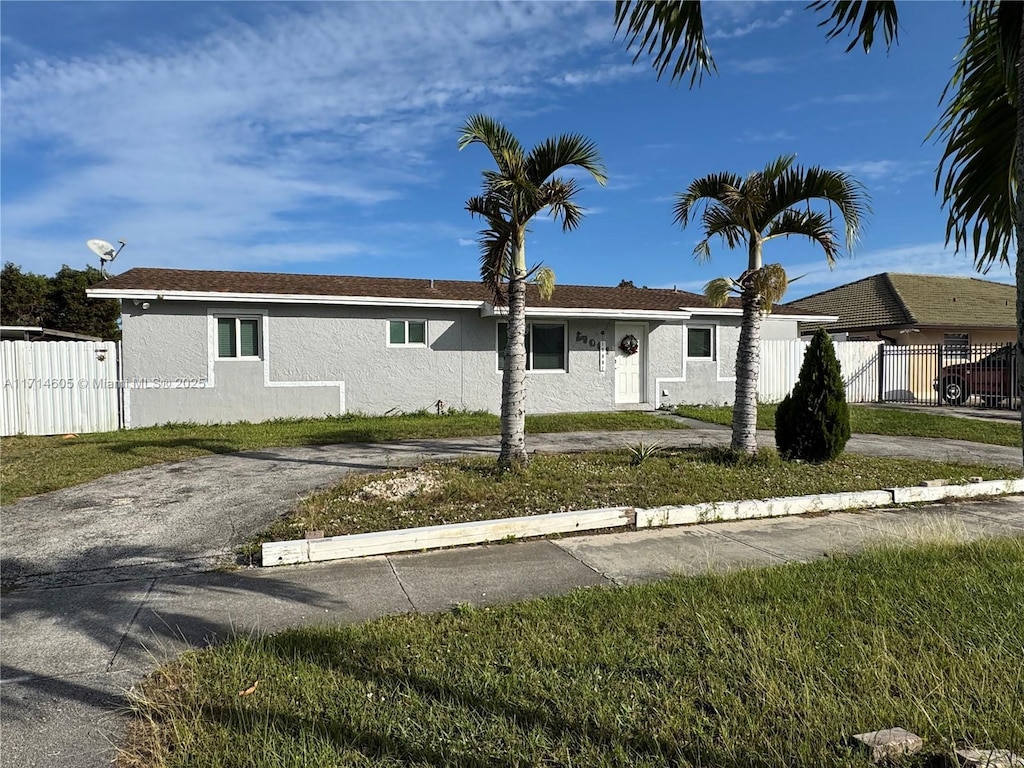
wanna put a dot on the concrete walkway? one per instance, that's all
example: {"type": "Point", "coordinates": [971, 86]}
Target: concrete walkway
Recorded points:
{"type": "Point", "coordinates": [105, 580]}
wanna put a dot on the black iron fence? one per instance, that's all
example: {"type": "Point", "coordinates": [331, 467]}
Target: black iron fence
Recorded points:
{"type": "Point", "coordinates": [933, 374]}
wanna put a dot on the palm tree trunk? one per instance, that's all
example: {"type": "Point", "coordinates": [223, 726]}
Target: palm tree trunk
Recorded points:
{"type": "Point", "coordinates": [748, 365]}
{"type": "Point", "coordinates": [513, 380]}
{"type": "Point", "coordinates": [1019, 223]}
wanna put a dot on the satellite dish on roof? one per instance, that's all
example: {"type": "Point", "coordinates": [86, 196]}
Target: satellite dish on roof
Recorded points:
{"type": "Point", "coordinates": [105, 251]}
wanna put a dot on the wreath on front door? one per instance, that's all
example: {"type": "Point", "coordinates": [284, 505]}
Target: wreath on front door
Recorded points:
{"type": "Point", "coordinates": [629, 345]}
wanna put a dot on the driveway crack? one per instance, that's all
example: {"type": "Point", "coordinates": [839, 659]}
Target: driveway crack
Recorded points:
{"type": "Point", "coordinates": [131, 623]}
{"type": "Point", "coordinates": [401, 585]}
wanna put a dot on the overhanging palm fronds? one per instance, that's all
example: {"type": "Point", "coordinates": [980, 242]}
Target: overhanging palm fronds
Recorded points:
{"type": "Point", "coordinates": [977, 171]}
{"type": "Point", "coordinates": [864, 16]}
{"type": "Point", "coordinates": [674, 30]}
{"type": "Point", "coordinates": [667, 26]}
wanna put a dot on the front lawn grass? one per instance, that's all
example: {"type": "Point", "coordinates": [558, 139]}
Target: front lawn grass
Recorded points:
{"type": "Point", "coordinates": [882, 421]}
{"type": "Point", "coordinates": [34, 465]}
{"type": "Point", "coordinates": [765, 668]}
{"type": "Point", "coordinates": [476, 489]}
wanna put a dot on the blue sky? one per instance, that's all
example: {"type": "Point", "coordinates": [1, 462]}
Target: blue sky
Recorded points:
{"type": "Point", "coordinates": [321, 137]}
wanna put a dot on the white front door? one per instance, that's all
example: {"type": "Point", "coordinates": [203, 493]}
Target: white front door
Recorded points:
{"type": "Point", "coordinates": [629, 368]}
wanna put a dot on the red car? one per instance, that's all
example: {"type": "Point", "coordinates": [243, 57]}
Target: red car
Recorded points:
{"type": "Point", "coordinates": [992, 378]}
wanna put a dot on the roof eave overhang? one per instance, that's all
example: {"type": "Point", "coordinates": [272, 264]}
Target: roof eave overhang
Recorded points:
{"type": "Point", "coordinates": [809, 318]}
{"type": "Point", "coordinates": [275, 298]}
{"type": "Point", "coordinates": [738, 312]}
{"type": "Point", "coordinates": [596, 313]}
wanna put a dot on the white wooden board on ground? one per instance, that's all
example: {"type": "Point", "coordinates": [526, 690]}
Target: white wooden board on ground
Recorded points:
{"type": "Point", "coordinates": [436, 536]}
{"type": "Point", "coordinates": [937, 493]}
{"type": "Point", "coordinates": [484, 531]}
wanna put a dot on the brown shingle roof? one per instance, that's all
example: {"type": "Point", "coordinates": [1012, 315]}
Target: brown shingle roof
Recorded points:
{"type": "Point", "coordinates": [894, 299]}
{"type": "Point", "coordinates": [565, 296]}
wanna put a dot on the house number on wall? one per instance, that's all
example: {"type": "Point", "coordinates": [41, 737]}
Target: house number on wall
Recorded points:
{"type": "Point", "coordinates": [582, 338]}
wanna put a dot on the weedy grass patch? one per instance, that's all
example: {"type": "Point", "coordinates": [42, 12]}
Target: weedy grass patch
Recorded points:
{"type": "Point", "coordinates": [476, 489]}
{"type": "Point", "coordinates": [33, 465]}
{"type": "Point", "coordinates": [751, 669]}
{"type": "Point", "coordinates": [882, 421]}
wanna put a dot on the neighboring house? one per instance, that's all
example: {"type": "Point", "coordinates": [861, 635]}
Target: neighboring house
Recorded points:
{"type": "Point", "coordinates": [227, 346]}
{"type": "Point", "coordinates": [931, 326]}
{"type": "Point", "coordinates": [896, 308]}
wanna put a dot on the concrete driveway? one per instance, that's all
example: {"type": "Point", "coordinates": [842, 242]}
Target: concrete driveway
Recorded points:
{"type": "Point", "coordinates": [103, 580]}
{"type": "Point", "coordinates": [189, 516]}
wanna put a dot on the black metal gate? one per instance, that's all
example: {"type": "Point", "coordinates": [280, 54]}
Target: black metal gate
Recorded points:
{"type": "Point", "coordinates": [983, 375]}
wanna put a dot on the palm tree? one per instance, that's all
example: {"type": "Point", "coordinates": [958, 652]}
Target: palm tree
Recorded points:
{"type": "Point", "coordinates": [982, 125]}
{"type": "Point", "coordinates": [523, 186]}
{"type": "Point", "coordinates": [983, 162]}
{"type": "Point", "coordinates": [766, 204]}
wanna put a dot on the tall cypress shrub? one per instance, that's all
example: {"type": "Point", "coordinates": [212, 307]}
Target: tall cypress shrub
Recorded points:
{"type": "Point", "coordinates": [813, 422]}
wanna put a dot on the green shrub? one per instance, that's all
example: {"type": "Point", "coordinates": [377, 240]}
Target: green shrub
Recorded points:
{"type": "Point", "coordinates": [813, 422]}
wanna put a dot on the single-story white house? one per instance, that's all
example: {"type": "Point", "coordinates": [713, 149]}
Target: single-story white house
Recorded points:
{"type": "Point", "coordinates": [210, 347]}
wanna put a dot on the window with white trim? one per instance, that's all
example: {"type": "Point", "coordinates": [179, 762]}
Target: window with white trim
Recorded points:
{"type": "Point", "coordinates": [956, 345]}
{"type": "Point", "coordinates": [700, 343]}
{"type": "Point", "coordinates": [407, 333]}
{"type": "Point", "coordinates": [545, 346]}
{"type": "Point", "coordinates": [239, 338]}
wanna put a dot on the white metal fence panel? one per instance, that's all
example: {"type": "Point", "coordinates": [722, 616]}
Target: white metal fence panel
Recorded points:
{"type": "Point", "coordinates": [781, 360]}
{"type": "Point", "coordinates": [57, 387]}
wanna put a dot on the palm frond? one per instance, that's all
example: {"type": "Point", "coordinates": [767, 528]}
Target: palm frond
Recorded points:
{"type": "Point", "coordinates": [554, 154]}
{"type": "Point", "coordinates": [717, 291]}
{"type": "Point", "coordinates": [770, 283]}
{"type": "Point", "coordinates": [814, 225]}
{"type": "Point", "coordinates": [557, 195]}
{"type": "Point", "coordinates": [862, 15]}
{"type": "Point", "coordinates": [673, 28]}
{"type": "Point", "coordinates": [501, 142]}
{"type": "Point", "coordinates": [771, 172]}
{"type": "Point", "coordinates": [544, 279]}
{"type": "Point", "coordinates": [702, 251]}
{"type": "Point", "coordinates": [496, 252]}
{"type": "Point", "coordinates": [703, 190]}
{"type": "Point", "coordinates": [803, 185]}
{"type": "Point", "coordinates": [979, 126]}
{"type": "Point", "coordinates": [721, 221]}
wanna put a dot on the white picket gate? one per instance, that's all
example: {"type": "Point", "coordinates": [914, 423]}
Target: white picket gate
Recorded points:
{"type": "Point", "coordinates": [58, 387]}
{"type": "Point", "coordinates": [781, 360]}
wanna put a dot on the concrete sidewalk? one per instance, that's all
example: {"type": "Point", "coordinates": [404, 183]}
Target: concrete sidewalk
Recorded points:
{"type": "Point", "coordinates": [70, 651]}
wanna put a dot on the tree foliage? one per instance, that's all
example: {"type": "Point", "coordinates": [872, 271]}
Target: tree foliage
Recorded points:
{"type": "Point", "coordinates": [673, 30]}
{"type": "Point", "coordinates": [749, 211]}
{"type": "Point", "coordinates": [58, 303]}
{"type": "Point", "coordinates": [523, 185]}
{"type": "Point", "coordinates": [813, 422]}
{"type": "Point", "coordinates": [976, 174]}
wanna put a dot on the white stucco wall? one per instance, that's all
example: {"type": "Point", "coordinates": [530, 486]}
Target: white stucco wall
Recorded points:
{"type": "Point", "coordinates": [321, 360]}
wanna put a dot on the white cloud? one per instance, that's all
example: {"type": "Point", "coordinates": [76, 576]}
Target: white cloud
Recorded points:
{"type": "Point", "coordinates": [766, 136]}
{"type": "Point", "coordinates": [225, 139]}
{"type": "Point", "coordinates": [602, 75]}
{"type": "Point", "coordinates": [843, 98]}
{"type": "Point", "coordinates": [762, 65]}
{"type": "Point", "coordinates": [464, 241]}
{"type": "Point", "coordinates": [880, 173]}
{"type": "Point", "coordinates": [742, 30]}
